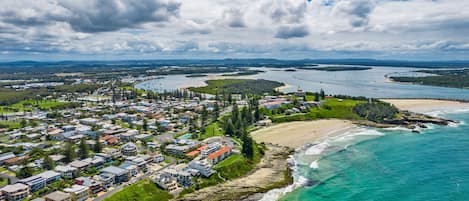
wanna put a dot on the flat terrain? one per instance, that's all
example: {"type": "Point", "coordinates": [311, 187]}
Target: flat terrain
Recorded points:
{"type": "Point", "coordinates": [296, 134]}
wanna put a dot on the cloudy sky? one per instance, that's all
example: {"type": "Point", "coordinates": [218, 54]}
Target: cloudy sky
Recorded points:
{"type": "Point", "coordinates": [285, 29]}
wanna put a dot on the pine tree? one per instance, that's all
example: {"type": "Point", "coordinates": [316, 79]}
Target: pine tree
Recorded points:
{"type": "Point", "coordinates": [69, 153]}
{"type": "Point", "coordinates": [145, 125]}
{"type": "Point", "coordinates": [84, 150]}
{"type": "Point", "coordinates": [216, 111]}
{"type": "Point", "coordinates": [316, 97]}
{"type": "Point", "coordinates": [322, 94]}
{"type": "Point", "coordinates": [48, 163]}
{"type": "Point", "coordinates": [97, 146]}
{"type": "Point", "coordinates": [229, 127]}
{"type": "Point", "coordinates": [247, 148]}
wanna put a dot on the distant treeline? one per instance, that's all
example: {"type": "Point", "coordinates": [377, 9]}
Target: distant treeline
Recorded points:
{"type": "Point", "coordinates": [443, 78]}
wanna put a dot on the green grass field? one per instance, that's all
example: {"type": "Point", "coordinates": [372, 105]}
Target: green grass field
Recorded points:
{"type": "Point", "coordinates": [144, 190]}
{"type": "Point", "coordinates": [28, 105]}
{"type": "Point", "coordinates": [331, 108]}
{"type": "Point", "coordinates": [212, 130]}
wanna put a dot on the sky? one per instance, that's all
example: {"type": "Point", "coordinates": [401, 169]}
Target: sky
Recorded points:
{"type": "Point", "coordinates": [215, 29]}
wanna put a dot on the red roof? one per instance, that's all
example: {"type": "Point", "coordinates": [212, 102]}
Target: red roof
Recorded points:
{"type": "Point", "coordinates": [219, 152]}
{"type": "Point", "coordinates": [202, 147]}
{"type": "Point", "coordinates": [193, 153]}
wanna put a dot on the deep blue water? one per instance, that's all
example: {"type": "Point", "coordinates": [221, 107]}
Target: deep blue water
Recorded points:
{"type": "Point", "coordinates": [384, 165]}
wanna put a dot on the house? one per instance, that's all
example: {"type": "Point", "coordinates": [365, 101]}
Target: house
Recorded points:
{"type": "Point", "coordinates": [131, 168]}
{"type": "Point", "coordinates": [109, 140]}
{"type": "Point", "coordinates": [89, 121]}
{"type": "Point", "coordinates": [210, 148]}
{"type": "Point", "coordinates": [115, 153]}
{"type": "Point", "coordinates": [203, 166]}
{"type": "Point", "coordinates": [106, 179]}
{"type": "Point", "coordinates": [6, 156]}
{"type": "Point", "coordinates": [50, 176]}
{"type": "Point", "coordinates": [129, 135]}
{"type": "Point", "coordinates": [121, 175]}
{"type": "Point", "coordinates": [95, 161]}
{"type": "Point", "coordinates": [35, 183]}
{"type": "Point", "coordinates": [15, 160]}
{"type": "Point", "coordinates": [129, 149]}
{"type": "Point", "coordinates": [67, 172]}
{"type": "Point", "coordinates": [166, 182]}
{"type": "Point", "coordinates": [219, 155]}
{"type": "Point", "coordinates": [265, 122]}
{"type": "Point", "coordinates": [158, 158]}
{"type": "Point", "coordinates": [140, 162]}
{"type": "Point", "coordinates": [80, 165]}
{"type": "Point", "coordinates": [58, 196]}
{"type": "Point", "coordinates": [15, 192]}
{"type": "Point", "coordinates": [78, 192]}
{"type": "Point", "coordinates": [182, 177]}
{"type": "Point", "coordinates": [94, 185]}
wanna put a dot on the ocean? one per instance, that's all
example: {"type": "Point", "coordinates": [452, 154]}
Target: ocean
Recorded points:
{"type": "Point", "coordinates": [368, 164]}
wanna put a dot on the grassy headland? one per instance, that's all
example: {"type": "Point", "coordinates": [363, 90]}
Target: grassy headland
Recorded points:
{"type": "Point", "coordinates": [336, 68]}
{"type": "Point", "coordinates": [144, 190]}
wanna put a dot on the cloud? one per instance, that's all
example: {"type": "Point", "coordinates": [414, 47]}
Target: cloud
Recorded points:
{"type": "Point", "coordinates": [286, 32]}
{"type": "Point", "coordinates": [234, 18]}
{"type": "Point", "coordinates": [110, 15]}
{"type": "Point", "coordinates": [355, 11]}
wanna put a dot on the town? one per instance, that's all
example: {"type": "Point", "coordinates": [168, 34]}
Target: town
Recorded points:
{"type": "Point", "coordinates": [90, 145]}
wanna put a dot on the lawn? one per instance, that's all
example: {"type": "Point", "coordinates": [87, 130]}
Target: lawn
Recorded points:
{"type": "Point", "coordinates": [211, 130]}
{"type": "Point", "coordinates": [28, 105]}
{"type": "Point", "coordinates": [330, 108]}
{"type": "Point", "coordinates": [144, 190]}
{"type": "Point", "coordinates": [10, 124]}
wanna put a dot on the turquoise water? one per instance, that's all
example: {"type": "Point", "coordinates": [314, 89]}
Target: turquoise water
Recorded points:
{"type": "Point", "coordinates": [381, 165]}
{"type": "Point", "coordinates": [185, 136]}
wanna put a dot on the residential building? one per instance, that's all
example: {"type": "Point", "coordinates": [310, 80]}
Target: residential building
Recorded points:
{"type": "Point", "coordinates": [166, 182]}
{"type": "Point", "coordinates": [67, 172]}
{"type": "Point", "coordinates": [94, 185]}
{"type": "Point", "coordinates": [58, 196]}
{"type": "Point", "coordinates": [15, 192]}
{"type": "Point", "coordinates": [131, 168]}
{"type": "Point", "coordinates": [129, 149]}
{"type": "Point", "coordinates": [80, 165]}
{"type": "Point", "coordinates": [121, 175]}
{"type": "Point", "coordinates": [106, 179]}
{"type": "Point", "coordinates": [78, 192]}
{"type": "Point", "coordinates": [50, 176]}
{"type": "Point", "coordinates": [203, 166]}
{"type": "Point", "coordinates": [35, 183]}
{"type": "Point", "coordinates": [219, 155]}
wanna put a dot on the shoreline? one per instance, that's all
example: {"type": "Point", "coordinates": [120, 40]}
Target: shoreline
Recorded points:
{"type": "Point", "coordinates": [421, 105]}
{"type": "Point", "coordinates": [413, 105]}
{"type": "Point", "coordinates": [299, 133]}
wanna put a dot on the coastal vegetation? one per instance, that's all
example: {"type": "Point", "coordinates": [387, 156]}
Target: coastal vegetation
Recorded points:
{"type": "Point", "coordinates": [245, 72]}
{"type": "Point", "coordinates": [238, 86]}
{"type": "Point", "coordinates": [456, 78]}
{"type": "Point", "coordinates": [196, 75]}
{"type": "Point", "coordinates": [376, 111]}
{"type": "Point", "coordinates": [144, 190]}
{"type": "Point", "coordinates": [336, 68]}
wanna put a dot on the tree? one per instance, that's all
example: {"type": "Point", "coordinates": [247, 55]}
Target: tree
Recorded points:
{"type": "Point", "coordinates": [229, 127]}
{"type": "Point", "coordinates": [216, 111]}
{"type": "Point", "coordinates": [48, 163]}
{"type": "Point", "coordinates": [25, 172]}
{"type": "Point", "coordinates": [204, 115]}
{"type": "Point", "coordinates": [322, 94]}
{"type": "Point", "coordinates": [145, 125]}
{"type": "Point", "coordinates": [247, 148]}
{"type": "Point", "coordinates": [23, 123]}
{"type": "Point", "coordinates": [83, 149]}
{"type": "Point", "coordinates": [69, 153]}
{"type": "Point", "coordinates": [316, 97]}
{"type": "Point", "coordinates": [97, 146]}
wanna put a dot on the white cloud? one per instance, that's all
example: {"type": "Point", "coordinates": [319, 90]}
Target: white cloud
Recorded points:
{"type": "Point", "coordinates": [241, 27]}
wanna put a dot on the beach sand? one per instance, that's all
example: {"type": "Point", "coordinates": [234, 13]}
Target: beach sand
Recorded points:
{"type": "Point", "coordinates": [426, 105]}
{"type": "Point", "coordinates": [297, 134]}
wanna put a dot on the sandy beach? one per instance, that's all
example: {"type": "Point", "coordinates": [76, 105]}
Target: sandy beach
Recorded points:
{"type": "Point", "coordinates": [426, 105]}
{"type": "Point", "coordinates": [297, 134]}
